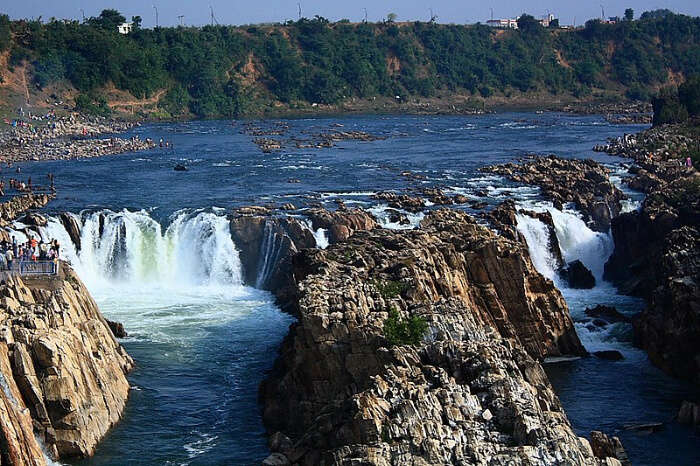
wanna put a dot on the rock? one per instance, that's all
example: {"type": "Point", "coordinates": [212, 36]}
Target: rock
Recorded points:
{"type": "Point", "coordinates": [65, 367]}
{"type": "Point", "coordinates": [288, 206]}
{"type": "Point", "coordinates": [610, 355]}
{"type": "Point", "coordinates": [180, 168]}
{"type": "Point", "coordinates": [398, 217]}
{"type": "Point", "coordinates": [582, 182]}
{"type": "Point", "coordinates": [647, 428]}
{"type": "Point", "coordinates": [343, 393]}
{"type": "Point", "coordinates": [117, 329]}
{"type": "Point", "coordinates": [72, 228]}
{"type": "Point", "coordinates": [34, 219]}
{"type": "Point", "coordinates": [401, 201]}
{"type": "Point", "coordinates": [607, 313]}
{"type": "Point", "coordinates": [578, 276]}
{"type": "Point", "coordinates": [276, 459]}
{"type": "Point", "coordinates": [608, 447]}
{"type": "Point", "coordinates": [689, 413]}
{"type": "Point", "coordinates": [266, 246]}
{"type": "Point", "coordinates": [341, 225]}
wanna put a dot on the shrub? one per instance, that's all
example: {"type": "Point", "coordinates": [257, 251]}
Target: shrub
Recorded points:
{"type": "Point", "coordinates": [390, 288]}
{"type": "Point", "coordinates": [398, 331]}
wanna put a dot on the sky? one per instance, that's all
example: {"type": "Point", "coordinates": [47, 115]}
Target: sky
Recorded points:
{"type": "Point", "coordinates": [197, 12]}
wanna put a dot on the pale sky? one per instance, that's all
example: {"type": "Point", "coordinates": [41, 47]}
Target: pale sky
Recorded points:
{"type": "Point", "coordinates": [246, 12]}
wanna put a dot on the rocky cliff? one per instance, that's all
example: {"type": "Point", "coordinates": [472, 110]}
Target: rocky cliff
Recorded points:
{"type": "Point", "coordinates": [62, 370]}
{"type": "Point", "coordinates": [470, 392]}
{"type": "Point", "coordinates": [657, 256]}
{"type": "Point", "coordinates": [657, 248]}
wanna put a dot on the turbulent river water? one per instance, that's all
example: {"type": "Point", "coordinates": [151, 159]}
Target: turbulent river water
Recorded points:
{"type": "Point", "coordinates": [157, 255]}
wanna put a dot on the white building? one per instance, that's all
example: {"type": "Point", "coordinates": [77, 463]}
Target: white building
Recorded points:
{"type": "Point", "coordinates": [503, 23]}
{"type": "Point", "coordinates": [125, 28]}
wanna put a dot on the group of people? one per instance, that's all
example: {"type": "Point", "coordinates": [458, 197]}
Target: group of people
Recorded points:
{"type": "Point", "coordinates": [32, 250]}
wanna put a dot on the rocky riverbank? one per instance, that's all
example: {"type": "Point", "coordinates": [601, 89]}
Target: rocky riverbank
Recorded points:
{"type": "Point", "coordinates": [67, 138]}
{"type": "Point", "coordinates": [657, 249]}
{"type": "Point", "coordinates": [469, 389]}
{"type": "Point", "coordinates": [63, 371]}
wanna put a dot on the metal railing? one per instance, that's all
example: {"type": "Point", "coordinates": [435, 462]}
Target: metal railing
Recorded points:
{"type": "Point", "coordinates": [45, 267]}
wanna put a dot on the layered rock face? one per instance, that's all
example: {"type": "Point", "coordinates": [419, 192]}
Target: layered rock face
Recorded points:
{"type": "Point", "coordinates": [471, 392]}
{"type": "Point", "coordinates": [63, 370]}
{"type": "Point", "coordinates": [266, 245]}
{"type": "Point", "coordinates": [657, 256]}
{"type": "Point", "coordinates": [583, 182]}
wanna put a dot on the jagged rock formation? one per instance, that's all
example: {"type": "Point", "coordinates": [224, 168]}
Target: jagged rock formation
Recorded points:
{"type": "Point", "coordinates": [657, 256]}
{"type": "Point", "coordinates": [471, 392]}
{"type": "Point", "coordinates": [60, 365]}
{"type": "Point", "coordinates": [583, 182]}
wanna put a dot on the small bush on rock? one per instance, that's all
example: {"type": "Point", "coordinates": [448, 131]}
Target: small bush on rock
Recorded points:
{"type": "Point", "coordinates": [400, 331]}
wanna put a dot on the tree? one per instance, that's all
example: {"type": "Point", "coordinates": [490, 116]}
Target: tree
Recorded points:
{"type": "Point", "coordinates": [109, 20]}
{"type": "Point", "coordinates": [668, 107]}
{"type": "Point", "coordinates": [554, 24]}
{"type": "Point", "coordinates": [136, 20]}
{"type": "Point", "coordinates": [391, 18]}
{"type": "Point", "coordinates": [528, 23]}
{"type": "Point", "coordinates": [689, 95]}
{"type": "Point", "coordinates": [629, 14]}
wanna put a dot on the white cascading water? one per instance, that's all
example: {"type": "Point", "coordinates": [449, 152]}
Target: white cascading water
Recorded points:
{"type": "Point", "coordinates": [270, 249]}
{"type": "Point", "coordinates": [195, 250]}
{"type": "Point", "coordinates": [578, 242]}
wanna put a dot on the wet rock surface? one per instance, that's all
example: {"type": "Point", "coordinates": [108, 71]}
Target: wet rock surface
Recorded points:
{"type": "Point", "coordinates": [471, 391]}
{"type": "Point", "coordinates": [582, 182]}
{"type": "Point", "coordinates": [62, 366]}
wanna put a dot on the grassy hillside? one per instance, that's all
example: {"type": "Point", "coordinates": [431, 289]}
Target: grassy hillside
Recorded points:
{"type": "Point", "coordinates": [225, 71]}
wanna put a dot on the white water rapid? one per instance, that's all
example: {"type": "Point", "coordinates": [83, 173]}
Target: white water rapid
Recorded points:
{"type": "Point", "coordinates": [578, 242]}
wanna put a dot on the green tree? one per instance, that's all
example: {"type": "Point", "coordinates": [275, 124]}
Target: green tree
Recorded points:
{"type": "Point", "coordinates": [689, 95]}
{"type": "Point", "coordinates": [528, 23]}
{"type": "Point", "coordinates": [629, 14]}
{"type": "Point", "coordinates": [391, 18]}
{"type": "Point", "coordinates": [668, 107]}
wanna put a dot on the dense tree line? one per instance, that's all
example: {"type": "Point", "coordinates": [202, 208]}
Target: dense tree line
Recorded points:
{"type": "Point", "coordinates": [221, 70]}
{"type": "Point", "coordinates": [677, 105]}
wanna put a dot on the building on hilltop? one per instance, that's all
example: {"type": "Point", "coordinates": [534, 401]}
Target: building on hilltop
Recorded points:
{"type": "Point", "coordinates": [125, 28]}
{"type": "Point", "coordinates": [503, 23]}
{"type": "Point", "coordinates": [545, 21]}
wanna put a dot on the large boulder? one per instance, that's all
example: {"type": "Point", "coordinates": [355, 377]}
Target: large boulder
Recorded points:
{"type": "Point", "coordinates": [578, 276]}
{"type": "Point", "coordinates": [73, 228]}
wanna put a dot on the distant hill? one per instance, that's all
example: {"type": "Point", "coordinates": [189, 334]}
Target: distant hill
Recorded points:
{"type": "Point", "coordinates": [226, 71]}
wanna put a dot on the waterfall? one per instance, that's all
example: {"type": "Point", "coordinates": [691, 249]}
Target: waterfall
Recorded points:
{"type": "Point", "coordinates": [270, 249]}
{"type": "Point", "coordinates": [577, 241]}
{"type": "Point", "coordinates": [537, 236]}
{"type": "Point", "coordinates": [196, 249]}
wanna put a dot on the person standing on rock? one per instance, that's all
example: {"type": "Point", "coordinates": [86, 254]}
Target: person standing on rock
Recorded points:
{"type": "Point", "coordinates": [9, 257]}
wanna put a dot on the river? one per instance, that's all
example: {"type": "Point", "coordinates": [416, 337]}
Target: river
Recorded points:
{"type": "Point", "coordinates": [157, 255]}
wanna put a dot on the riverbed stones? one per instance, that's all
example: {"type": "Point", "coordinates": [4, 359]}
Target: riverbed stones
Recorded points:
{"type": "Point", "coordinates": [578, 276]}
